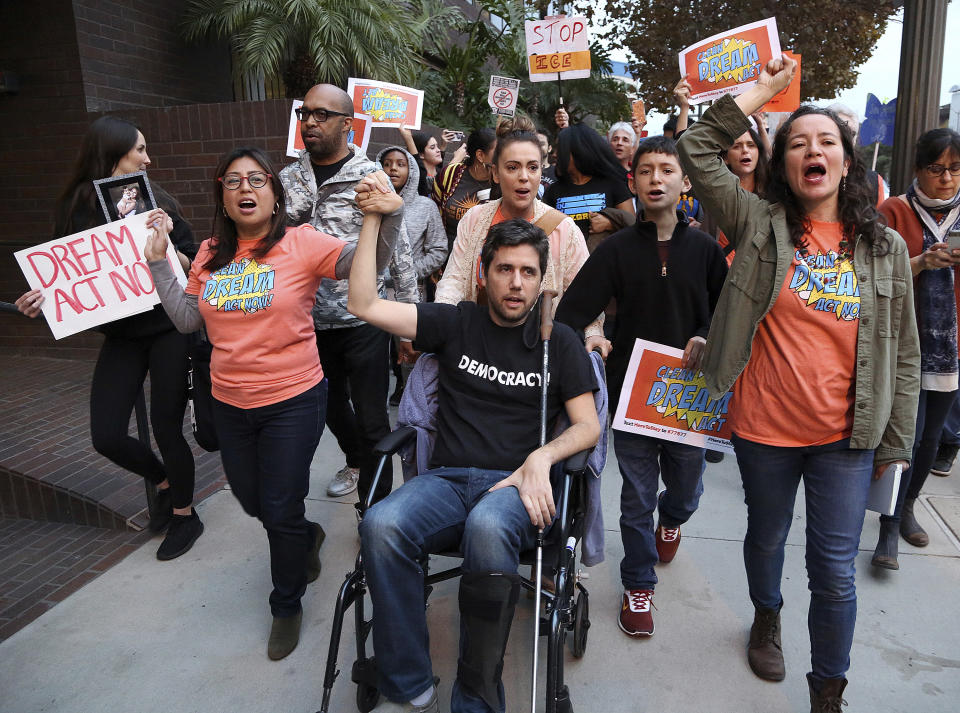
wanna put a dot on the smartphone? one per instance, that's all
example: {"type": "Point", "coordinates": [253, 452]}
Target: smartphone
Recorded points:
{"type": "Point", "coordinates": [457, 136]}
{"type": "Point", "coordinates": [953, 239]}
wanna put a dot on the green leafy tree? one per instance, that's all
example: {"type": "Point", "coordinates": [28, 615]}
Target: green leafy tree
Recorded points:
{"type": "Point", "coordinates": [834, 37]}
{"type": "Point", "coordinates": [309, 41]}
{"type": "Point", "coordinates": [456, 94]}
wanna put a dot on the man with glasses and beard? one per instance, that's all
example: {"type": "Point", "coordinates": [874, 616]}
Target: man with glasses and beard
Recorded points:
{"type": "Point", "coordinates": [354, 354]}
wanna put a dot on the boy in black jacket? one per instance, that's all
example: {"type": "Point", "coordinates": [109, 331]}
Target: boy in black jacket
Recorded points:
{"type": "Point", "coordinates": [666, 278]}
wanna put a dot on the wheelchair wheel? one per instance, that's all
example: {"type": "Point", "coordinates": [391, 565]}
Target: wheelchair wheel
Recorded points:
{"type": "Point", "coordinates": [367, 697]}
{"type": "Point", "coordinates": [581, 625]}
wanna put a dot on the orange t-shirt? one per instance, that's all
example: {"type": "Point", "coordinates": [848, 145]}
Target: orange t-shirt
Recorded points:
{"type": "Point", "coordinates": [257, 316]}
{"type": "Point", "coordinates": [798, 387]}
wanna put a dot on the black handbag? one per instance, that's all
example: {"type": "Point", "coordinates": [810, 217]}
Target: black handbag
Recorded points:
{"type": "Point", "coordinates": [198, 390]}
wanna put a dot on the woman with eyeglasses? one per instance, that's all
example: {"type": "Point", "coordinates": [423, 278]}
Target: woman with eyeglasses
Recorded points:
{"type": "Point", "coordinates": [252, 287]}
{"type": "Point", "coordinates": [135, 346]}
{"type": "Point", "coordinates": [925, 216]}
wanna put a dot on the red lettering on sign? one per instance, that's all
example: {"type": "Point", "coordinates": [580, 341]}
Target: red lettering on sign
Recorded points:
{"type": "Point", "coordinates": [124, 237]}
{"type": "Point", "coordinates": [73, 299]}
{"type": "Point", "coordinates": [99, 247]}
{"type": "Point", "coordinates": [44, 282]}
{"type": "Point", "coordinates": [78, 256]}
{"type": "Point", "coordinates": [60, 253]}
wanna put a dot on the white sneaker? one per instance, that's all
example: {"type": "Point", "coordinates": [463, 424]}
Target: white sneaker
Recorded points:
{"type": "Point", "coordinates": [431, 706]}
{"type": "Point", "coordinates": [344, 482]}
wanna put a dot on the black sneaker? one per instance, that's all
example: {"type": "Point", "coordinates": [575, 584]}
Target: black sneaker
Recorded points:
{"type": "Point", "coordinates": [946, 455]}
{"type": "Point", "coordinates": [182, 533]}
{"type": "Point", "coordinates": [161, 510]}
{"type": "Point", "coordinates": [714, 456]}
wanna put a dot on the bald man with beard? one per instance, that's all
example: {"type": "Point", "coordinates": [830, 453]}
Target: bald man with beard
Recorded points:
{"type": "Point", "coordinates": [320, 190]}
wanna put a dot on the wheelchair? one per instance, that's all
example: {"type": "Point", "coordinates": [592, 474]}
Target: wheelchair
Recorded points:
{"type": "Point", "coordinates": [566, 609]}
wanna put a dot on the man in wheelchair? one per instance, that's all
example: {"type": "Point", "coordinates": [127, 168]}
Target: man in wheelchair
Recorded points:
{"type": "Point", "coordinates": [488, 491]}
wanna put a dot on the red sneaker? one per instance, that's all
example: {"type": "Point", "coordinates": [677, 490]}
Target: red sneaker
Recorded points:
{"type": "Point", "coordinates": [635, 617]}
{"type": "Point", "coordinates": [668, 541]}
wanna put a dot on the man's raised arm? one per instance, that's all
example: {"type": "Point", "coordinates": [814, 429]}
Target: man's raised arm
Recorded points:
{"type": "Point", "coordinates": [363, 301]}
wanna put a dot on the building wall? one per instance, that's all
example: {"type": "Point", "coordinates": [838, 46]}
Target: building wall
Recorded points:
{"type": "Point", "coordinates": [132, 55]}
{"type": "Point", "coordinates": [75, 64]}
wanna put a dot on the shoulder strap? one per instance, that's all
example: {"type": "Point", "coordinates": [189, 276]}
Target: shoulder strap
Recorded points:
{"type": "Point", "coordinates": [549, 221]}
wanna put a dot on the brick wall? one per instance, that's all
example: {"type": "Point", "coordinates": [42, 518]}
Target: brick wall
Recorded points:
{"type": "Point", "coordinates": [44, 123]}
{"type": "Point", "coordinates": [132, 55]}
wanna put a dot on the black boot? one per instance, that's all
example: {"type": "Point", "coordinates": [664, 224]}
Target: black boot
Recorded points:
{"type": "Point", "coordinates": [826, 696]}
{"type": "Point", "coordinates": [487, 602]}
{"type": "Point", "coordinates": [910, 528]}
{"type": "Point", "coordinates": [885, 555]}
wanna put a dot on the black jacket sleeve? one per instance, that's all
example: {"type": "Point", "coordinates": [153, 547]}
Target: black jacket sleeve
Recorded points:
{"type": "Point", "coordinates": [592, 288]}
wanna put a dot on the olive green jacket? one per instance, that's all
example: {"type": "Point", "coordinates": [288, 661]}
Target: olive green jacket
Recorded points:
{"type": "Point", "coordinates": [888, 349]}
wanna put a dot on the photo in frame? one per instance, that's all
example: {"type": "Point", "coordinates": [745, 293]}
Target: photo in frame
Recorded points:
{"type": "Point", "coordinates": [126, 195]}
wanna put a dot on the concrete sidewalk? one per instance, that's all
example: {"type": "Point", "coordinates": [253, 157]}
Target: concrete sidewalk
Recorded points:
{"type": "Point", "coordinates": [190, 635]}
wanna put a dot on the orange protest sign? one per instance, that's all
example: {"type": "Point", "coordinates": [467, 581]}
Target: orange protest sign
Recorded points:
{"type": "Point", "coordinates": [663, 400]}
{"type": "Point", "coordinates": [789, 98]}
{"type": "Point", "coordinates": [730, 62]}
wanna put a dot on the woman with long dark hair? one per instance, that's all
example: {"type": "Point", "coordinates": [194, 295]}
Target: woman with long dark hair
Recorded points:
{"type": "Point", "coordinates": [135, 346]}
{"type": "Point", "coordinates": [252, 287]}
{"type": "Point", "coordinates": [590, 179]}
{"type": "Point", "coordinates": [461, 186]}
{"type": "Point", "coordinates": [816, 326]}
{"type": "Point", "coordinates": [925, 216]}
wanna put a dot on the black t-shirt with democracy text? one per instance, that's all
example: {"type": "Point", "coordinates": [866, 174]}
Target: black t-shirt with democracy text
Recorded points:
{"type": "Point", "coordinates": [489, 395]}
{"type": "Point", "coordinates": [580, 201]}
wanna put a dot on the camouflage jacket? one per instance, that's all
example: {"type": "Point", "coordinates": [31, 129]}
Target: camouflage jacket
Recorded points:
{"type": "Point", "coordinates": [333, 210]}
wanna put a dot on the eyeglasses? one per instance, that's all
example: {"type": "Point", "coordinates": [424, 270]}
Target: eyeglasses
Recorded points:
{"type": "Point", "coordinates": [320, 115]}
{"type": "Point", "coordinates": [936, 169]}
{"type": "Point", "coordinates": [256, 180]}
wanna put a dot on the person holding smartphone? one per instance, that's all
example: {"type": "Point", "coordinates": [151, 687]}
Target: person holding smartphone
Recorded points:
{"type": "Point", "coordinates": [927, 216]}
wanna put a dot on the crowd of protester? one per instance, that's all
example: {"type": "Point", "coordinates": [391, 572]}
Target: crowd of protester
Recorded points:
{"type": "Point", "coordinates": [707, 239]}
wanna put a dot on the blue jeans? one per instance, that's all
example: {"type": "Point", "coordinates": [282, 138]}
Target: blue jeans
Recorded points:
{"type": "Point", "coordinates": [951, 427]}
{"type": "Point", "coordinates": [441, 509]}
{"type": "Point", "coordinates": [266, 454]}
{"type": "Point", "coordinates": [643, 460]}
{"type": "Point", "coordinates": [836, 480]}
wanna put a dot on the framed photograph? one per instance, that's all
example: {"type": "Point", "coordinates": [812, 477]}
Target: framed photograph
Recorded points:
{"type": "Point", "coordinates": [126, 195]}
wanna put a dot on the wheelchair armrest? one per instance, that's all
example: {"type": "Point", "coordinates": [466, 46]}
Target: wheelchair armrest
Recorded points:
{"type": "Point", "coordinates": [393, 442]}
{"type": "Point", "coordinates": [577, 463]}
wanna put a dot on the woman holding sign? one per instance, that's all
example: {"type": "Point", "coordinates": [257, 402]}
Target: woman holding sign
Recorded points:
{"type": "Point", "coordinates": [816, 326]}
{"type": "Point", "coordinates": [134, 346]}
{"type": "Point", "coordinates": [252, 286]}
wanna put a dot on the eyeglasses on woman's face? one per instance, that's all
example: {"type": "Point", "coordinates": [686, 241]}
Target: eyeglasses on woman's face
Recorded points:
{"type": "Point", "coordinates": [233, 181]}
{"type": "Point", "coordinates": [937, 169]}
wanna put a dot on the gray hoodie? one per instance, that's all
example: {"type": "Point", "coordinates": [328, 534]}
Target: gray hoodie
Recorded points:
{"type": "Point", "coordinates": [428, 239]}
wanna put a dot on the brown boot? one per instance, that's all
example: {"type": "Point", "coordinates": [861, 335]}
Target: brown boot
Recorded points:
{"type": "Point", "coordinates": [764, 652]}
{"type": "Point", "coordinates": [829, 697]}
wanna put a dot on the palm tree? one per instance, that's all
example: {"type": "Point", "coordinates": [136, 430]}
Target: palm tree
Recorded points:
{"type": "Point", "coordinates": [311, 41]}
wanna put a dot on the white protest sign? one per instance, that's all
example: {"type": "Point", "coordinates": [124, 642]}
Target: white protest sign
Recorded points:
{"type": "Point", "coordinates": [94, 276]}
{"type": "Point", "coordinates": [558, 47]}
{"type": "Point", "coordinates": [503, 95]}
